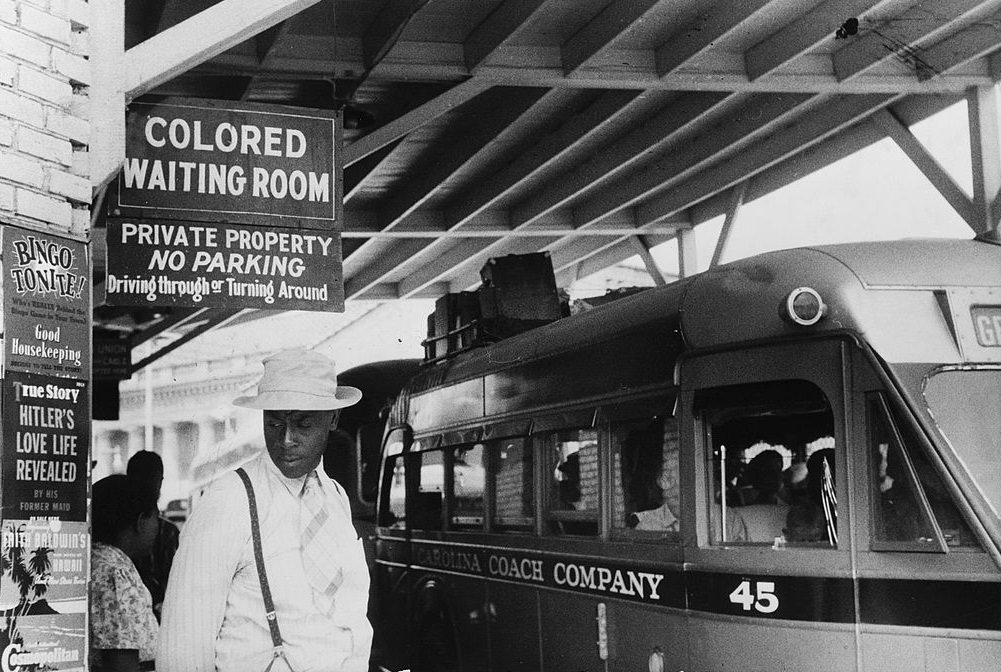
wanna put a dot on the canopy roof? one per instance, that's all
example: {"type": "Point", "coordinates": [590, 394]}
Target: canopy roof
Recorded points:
{"type": "Point", "coordinates": [591, 129]}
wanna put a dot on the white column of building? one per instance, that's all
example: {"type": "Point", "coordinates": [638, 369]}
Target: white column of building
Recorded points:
{"type": "Point", "coordinates": [169, 449]}
{"type": "Point", "coordinates": [103, 454]}
{"type": "Point", "coordinates": [137, 439]}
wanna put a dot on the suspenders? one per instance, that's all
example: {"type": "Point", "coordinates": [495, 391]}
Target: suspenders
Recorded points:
{"type": "Point", "coordinates": [269, 605]}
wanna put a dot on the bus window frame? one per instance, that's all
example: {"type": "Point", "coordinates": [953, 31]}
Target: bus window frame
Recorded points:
{"type": "Point", "coordinates": [636, 415]}
{"type": "Point", "coordinates": [516, 524]}
{"type": "Point", "coordinates": [541, 440]}
{"type": "Point", "coordinates": [876, 402]}
{"type": "Point", "coordinates": [454, 524]}
{"type": "Point", "coordinates": [821, 360]}
{"type": "Point", "coordinates": [871, 374]}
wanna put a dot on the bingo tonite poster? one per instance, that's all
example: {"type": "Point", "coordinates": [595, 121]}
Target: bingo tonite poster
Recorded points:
{"type": "Point", "coordinates": [45, 429]}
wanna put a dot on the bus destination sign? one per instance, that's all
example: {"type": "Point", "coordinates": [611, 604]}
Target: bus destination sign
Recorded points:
{"type": "Point", "coordinates": [987, 325]}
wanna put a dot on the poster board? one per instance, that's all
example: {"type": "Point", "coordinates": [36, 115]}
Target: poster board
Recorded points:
{"type": "Point", "coordinates": [44, 465]}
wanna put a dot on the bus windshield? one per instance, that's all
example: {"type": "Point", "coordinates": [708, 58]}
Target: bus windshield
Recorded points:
{"type": "Point", "coordinates": [965, 405]}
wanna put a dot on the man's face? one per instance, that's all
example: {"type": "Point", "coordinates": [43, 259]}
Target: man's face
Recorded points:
{"type": "Point", "coordinates": [296, 439]}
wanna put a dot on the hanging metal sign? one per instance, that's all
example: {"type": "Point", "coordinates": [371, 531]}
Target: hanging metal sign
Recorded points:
{"type": "Point", "coordinates": [171, 263]}
{"type": "Point", "coordinates": [229, 161]}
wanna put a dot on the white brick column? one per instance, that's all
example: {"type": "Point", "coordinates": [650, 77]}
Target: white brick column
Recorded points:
{"type": "Point", "coordinates": [137, 440]}
{"type": "Point", "coordinates": [103, 455]}
{"type": "Point", "coordinates": [44, 109]}
{"type": "Point", "coordinates": [168, 453]}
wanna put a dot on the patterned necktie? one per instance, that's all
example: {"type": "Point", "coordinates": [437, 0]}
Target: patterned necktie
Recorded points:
{"type": "Point", "coordinates": [319, 551]}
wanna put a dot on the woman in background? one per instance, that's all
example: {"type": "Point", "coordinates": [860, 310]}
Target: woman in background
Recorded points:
{"type": "Point", "coordinates": [123, 630]}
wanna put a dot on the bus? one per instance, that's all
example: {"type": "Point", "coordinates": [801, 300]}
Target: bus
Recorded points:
{"type": "Point", "coordinates": [789, 462]}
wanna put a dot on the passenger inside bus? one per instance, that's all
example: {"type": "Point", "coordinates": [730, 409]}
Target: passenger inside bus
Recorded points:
{"type": "Point", "coordinates": [909, 496]}
{"type": "Point", "coordinates": [573, 489]}
{"type": "Point", "coordinates": [766, 516]}
{"type": "Point", "coordinates": [756, 430]}
{"type": "Point", "coordinates": [816, 518]}
{"type": "Point", "coordinates": [647, 478]}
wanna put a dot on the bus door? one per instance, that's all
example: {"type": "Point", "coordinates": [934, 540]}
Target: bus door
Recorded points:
{"type": "Point", "coordinates": [390, 602]}
{"type": "Point", "coordinates": [566, 449]}
{"type": "Point", "coordinates": [512, 608]}
{"type": "Point", "coordinates": [611, 596]}
{"type": "Point", "coordinates": [446, 508]}
{"type": "Point", "coordinates": [929, 595]}
{"type": "Point", "coordinates": [768, 533]}
{"type": "Point", "coordinates": [645, 622]}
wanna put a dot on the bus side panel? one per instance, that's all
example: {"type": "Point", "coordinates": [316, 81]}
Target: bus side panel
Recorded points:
{"type": "Point", "coordinates": [748, 645]}
{"type": "Point", "coordinates": [467, 603]}
{"type": "Point", "coordinates": [391, 588]}
{"type": "Point", "coordinates": [911, 652]}
{"type": "Point", "coordinates": [569, 633]}
{"type": "Point", "coordinates": [514, 628]}
{"type": "Point", "coordinates": [637, 633]}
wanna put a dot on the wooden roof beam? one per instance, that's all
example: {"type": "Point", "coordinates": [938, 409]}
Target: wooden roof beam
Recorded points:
{"type": "Point", "coordinates": [731, 134]}
{"type": "Point", "coordinates": [387, 28]}
{"type": "Point", "coordinates": [737, 195]}
{"type": "Point", "coordinates": [642, 248]}
{"type": "Point", "coordinates": [542, 67]}
{"type": "Point", "coordinates": [265, 43]}
{"type": "Point", "coordinates": [414, 119]}
{"type": "Point", "coordinates": [985, 149]}
{"type": "Point", "coordinates": [833, 117]}
{"type": "Point", "coordinates": [199, 38]}
{"type": "Point", "coordinates": [504, 23]}
{"type": "Point", "coordinates": [619, 154]}
{"type": "Point", "coordinates": [371, 275]}
{"type": "Point", "coordinates": [476, 252]}
{"type": "Point", "coordinates": [697, 37]}
{"type": "Point", "coordinates": [603, 30]}
{"type": "Point", "coordinates": [960, 201]}
{"type": "Point", "coordinates": [573, 260]}
{"type": "Point", "coordinates": [900, 37]}
{"type": "Point", "coordinates": [805, 33]}
{"type": "Point", "coordinates": [609, 112]}
{"type": "Point", "coordinates": [452, 156]}
{"type": "Point", "coordinates": [833, 149]}
{"type": "Point", "coordinates": [474, 146]}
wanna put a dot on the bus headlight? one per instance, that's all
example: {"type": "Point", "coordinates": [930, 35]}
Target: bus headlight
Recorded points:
{"type": "Point", "coordinates": [803, 306]}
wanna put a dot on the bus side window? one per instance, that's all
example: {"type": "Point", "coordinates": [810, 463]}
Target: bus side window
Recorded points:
{"type": "Point", "coordinates": [394, 509]}
{"type": "Point", "coordinates": [910, 503]}
{"type": "Point", "coordinates": [645, 488]}
{"type": "Point", "coordinates": [514, 508]}
{"type": "Point", "coordinates": [573, 481]}
{"type": "Point", "coordinates": [771, 463]}
{"type": "Point", "coordinates": [429, 491]}
{"type": "Point", "coordinates": [468, 478]}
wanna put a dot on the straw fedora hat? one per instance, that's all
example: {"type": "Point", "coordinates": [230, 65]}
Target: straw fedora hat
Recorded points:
{"type": "Point", "coordinates": [300, 380]}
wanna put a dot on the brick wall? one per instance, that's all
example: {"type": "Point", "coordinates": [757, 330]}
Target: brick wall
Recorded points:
{"type": "Point", "coordinates": [44, 129]}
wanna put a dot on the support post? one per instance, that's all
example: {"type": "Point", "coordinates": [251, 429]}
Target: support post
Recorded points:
{"type": "Point", "coordinates": [736, 200]}
{"type": "Point", "coordinates": [688, 258]}
{"type": "Point", "coordinates": [643, 250]}
{"type": "Point", "coordinates": [985, 150]}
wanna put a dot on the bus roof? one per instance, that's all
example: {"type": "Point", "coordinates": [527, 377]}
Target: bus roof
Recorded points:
{"type": "Point", "coordinates": [879, 290]}
{"type": "Point", "coordinates": [874, 289]}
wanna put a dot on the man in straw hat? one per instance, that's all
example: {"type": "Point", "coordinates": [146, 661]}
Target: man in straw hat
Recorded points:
{"type": "Point", "coordinates": [214, 615]}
